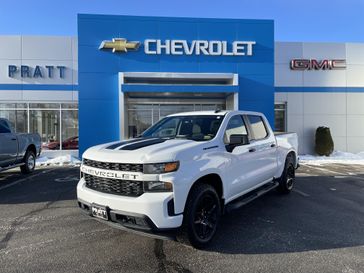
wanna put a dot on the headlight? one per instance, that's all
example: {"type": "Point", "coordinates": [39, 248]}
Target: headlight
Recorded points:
{"type": "Point", "coordinates": [151, 186]}
{"type": "Point", "coordinates": [160, 168]}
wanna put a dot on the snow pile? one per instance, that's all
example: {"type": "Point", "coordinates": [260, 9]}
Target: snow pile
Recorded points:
{"type": "Point", "coordinates": [59, 160]}
{"type": "Point", "coordinates": [335, 157]}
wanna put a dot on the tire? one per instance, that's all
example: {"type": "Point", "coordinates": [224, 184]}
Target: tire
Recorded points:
{"type": "Point", "coordinates": [287, 179]}
{"type": "Point", "coordinates": [201, 216]}
{"type": "Point", "coordinates": [29, 160]}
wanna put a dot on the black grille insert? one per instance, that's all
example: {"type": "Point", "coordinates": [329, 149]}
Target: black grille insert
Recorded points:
{"type": "Point", "coordinates": [114, 186]}
{"type": "Point", "coordinates": [114, 166]}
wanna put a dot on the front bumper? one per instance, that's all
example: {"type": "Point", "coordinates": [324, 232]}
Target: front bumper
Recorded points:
{"type": "Point", "coordinates": [136, 223]}
{"type": "Point", "coordinates": [149, 212]}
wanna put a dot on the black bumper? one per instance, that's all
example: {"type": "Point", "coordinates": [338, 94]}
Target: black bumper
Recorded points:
{"type": "Point", "coordinates": [133, 222]}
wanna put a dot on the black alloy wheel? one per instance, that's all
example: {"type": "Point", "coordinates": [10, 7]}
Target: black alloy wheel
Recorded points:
{"type": "Point", "coordinates": [205, 219]}
{"type": "Point", "coordinates": [287, 179]}
{"type": "Point", "coordinates": [201, 216]}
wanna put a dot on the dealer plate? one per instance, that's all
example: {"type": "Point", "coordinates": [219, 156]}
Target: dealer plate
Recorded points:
{"type": "Point", "coordinates": [99, 212]}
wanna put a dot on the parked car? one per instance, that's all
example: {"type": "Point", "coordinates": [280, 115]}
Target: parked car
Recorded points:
{"type": "Point", "coordinates": [184, 172]}
{"type": "Point", "coordinates": [68, 144]}
{"type": "Point", "coordinates": [17, 150]}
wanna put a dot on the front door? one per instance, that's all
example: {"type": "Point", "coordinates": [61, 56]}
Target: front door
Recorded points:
{"type": "Point", "coordinates": [241, 170]}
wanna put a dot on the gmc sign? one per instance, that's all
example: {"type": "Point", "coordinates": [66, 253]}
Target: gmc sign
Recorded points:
{"type": "Point", "coordinates": [312, 64]}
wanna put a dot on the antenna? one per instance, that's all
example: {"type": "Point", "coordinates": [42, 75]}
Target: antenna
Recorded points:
{"type": "Point", "coordinates": [217, 110]}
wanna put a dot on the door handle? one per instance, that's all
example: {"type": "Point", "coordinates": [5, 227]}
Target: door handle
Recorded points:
{"type": "Point", "coordinates": [273, 145]}
{"type": "Point", "coordinates": [13, 139]}
{"type": "Point", "coordinates": [252, 150]}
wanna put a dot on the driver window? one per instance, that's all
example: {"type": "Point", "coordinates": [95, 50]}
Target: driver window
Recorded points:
{"type": "Point", "coordinates": [236, 126]}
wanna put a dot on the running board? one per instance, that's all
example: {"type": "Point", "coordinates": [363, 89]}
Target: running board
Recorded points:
{"type": "Point", "coordinates": [246, 198]}
{"type": "Point", "coordinates": [11, 167]}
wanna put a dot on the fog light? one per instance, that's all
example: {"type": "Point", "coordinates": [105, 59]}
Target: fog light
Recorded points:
{"type": "Point", "coordinates": [158, 186]}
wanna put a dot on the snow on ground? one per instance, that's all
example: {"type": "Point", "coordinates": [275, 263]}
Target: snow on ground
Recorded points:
{"type": "Point", "coordinates": [335, 157]}
{"type": "Point", "coordinates": [59, 160]}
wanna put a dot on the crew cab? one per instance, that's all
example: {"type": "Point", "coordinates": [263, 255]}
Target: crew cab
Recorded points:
{"type": "Point", "coordinates": [17, 150]}
{"type": "Point", "coordinates": [184, 172]}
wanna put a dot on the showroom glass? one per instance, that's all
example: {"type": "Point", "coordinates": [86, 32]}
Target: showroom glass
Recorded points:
{"type": "Point", "coordinates": [198, 128]}
{"type": "Point", "coordinates": [46, 123]}
{"type": "Point", "coordinates": [56, 123]}
{"type": "Point", "coordinates": [16, 113]}
{"type": "Point", "coordinates": [258, 127]}
{"type": "Point", "coordinates": [142, 116]}
{"type": "Point", "coordinates": [69, 130]}
{"type": "Point", "coordinates": [280, 117]}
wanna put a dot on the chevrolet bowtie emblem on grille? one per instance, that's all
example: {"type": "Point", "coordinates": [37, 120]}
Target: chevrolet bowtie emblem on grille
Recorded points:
{"type": "Point", "coordinates": [119, 45]}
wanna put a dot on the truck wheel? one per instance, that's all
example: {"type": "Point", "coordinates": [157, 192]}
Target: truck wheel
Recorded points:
{"type": "Point", "coordinates": [29, 160]}
{"type": "Point", "coordinates": [201, 216]}
{"type": "Point", "coordinates": [287, 179]}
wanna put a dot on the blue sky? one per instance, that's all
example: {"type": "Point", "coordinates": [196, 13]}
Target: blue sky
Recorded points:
{"type": "Point", "coordinates": [295, 20]}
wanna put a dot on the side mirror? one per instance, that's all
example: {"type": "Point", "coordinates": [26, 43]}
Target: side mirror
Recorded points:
{"type": "Point", "coordinates": [239, 140]}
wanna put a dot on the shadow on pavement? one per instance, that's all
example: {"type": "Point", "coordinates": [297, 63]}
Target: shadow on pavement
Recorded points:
{"type": "Point", "coordinates": [43, 185]}
{"type": "Point", "coordinates": [323, 213]}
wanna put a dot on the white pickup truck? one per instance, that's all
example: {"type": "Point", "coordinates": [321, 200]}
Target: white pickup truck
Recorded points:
{"type": "Point", "coordinates": [184, 172]}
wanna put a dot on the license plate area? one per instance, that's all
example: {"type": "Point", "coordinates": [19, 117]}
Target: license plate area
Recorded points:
{"type": "Point", "coordinates": [99, 212]}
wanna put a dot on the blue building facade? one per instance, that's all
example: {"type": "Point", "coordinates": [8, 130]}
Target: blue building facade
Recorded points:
{"type": "Point", "coordinates": [122, 58]}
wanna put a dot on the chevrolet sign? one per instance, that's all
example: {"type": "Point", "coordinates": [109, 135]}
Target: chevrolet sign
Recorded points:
{"type": "Point", "coordinates": [182, 47]}
{"type": "Point", "coordinates": [119, 45]}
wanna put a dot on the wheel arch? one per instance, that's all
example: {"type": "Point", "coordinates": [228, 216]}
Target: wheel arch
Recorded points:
{"type": "Point", "coordinates": [292, 154]}
{"type": "Point", "coordinates": [212, 179]}
{"type": "Point", "coordinates": [32, 148]}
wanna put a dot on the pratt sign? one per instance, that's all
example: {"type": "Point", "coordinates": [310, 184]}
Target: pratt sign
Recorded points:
{"type": "Point", "coordinates": [26, 71]}
{"type": "Point", "coordinates": [182, 47]}
{"type": "Point", "coordinates": [313, 64]}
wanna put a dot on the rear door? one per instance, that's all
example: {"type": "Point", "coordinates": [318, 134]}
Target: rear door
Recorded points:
{"type": "Point", "coordinates": [241, 170]}
{"type": "Point", "coordinates": [263, 145]}
{"type": "Point", "coordinates": [8, 144]}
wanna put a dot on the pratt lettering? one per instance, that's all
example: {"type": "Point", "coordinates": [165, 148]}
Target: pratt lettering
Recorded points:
{"type": "Point", "coordinates": [25, 71]}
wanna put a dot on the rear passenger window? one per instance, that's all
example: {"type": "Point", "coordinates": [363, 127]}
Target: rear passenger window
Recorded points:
{"type": "Point", "coordinates": [258, 127]}
{"type": "Point", "coordinates": [236, 126]}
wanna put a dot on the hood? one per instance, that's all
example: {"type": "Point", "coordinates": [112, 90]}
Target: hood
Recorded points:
{"type": "Point", "coordinates": [142, 150]}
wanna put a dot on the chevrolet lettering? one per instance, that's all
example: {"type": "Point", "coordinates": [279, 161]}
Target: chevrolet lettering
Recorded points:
{"type": "Point", "coordinates": [108, 174]}
{"type": "Point", "coordinates": [198, 47]}
{"type": "Point", "coordinates": [182, 47]}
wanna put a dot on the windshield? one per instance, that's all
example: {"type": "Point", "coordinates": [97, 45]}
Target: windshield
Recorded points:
{"type": "Point", "coordinates": [198, 128]}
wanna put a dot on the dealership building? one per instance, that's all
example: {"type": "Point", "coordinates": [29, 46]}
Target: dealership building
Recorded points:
{"type": "Point", "coordinates": [123, 73]}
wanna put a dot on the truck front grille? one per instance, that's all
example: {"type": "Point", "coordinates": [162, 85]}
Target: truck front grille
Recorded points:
{"type": "Point", "coordinates": [114, 166]}
{"type": "Point", "coordinates": [114, 186]}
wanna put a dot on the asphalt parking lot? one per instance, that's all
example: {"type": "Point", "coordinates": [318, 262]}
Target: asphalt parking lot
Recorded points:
{"type": "Point", "coordinates": [317, 228]}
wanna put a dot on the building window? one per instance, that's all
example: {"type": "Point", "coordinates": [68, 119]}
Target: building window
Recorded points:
{"type": "Point", "coordinates": [56, 123]}
{"type": "Point", "coordinates": [280, 117]}
{"type": "Point", "coordinates": [16, 113]}
{"type": "Point", "coordinates": [46, 124]}
{"type": "Point", "coordinates": [69, 124]}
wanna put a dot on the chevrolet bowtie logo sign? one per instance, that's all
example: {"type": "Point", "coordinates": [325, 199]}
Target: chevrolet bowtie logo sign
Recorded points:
{"type": "Point", "coordinates": [119, 45]}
